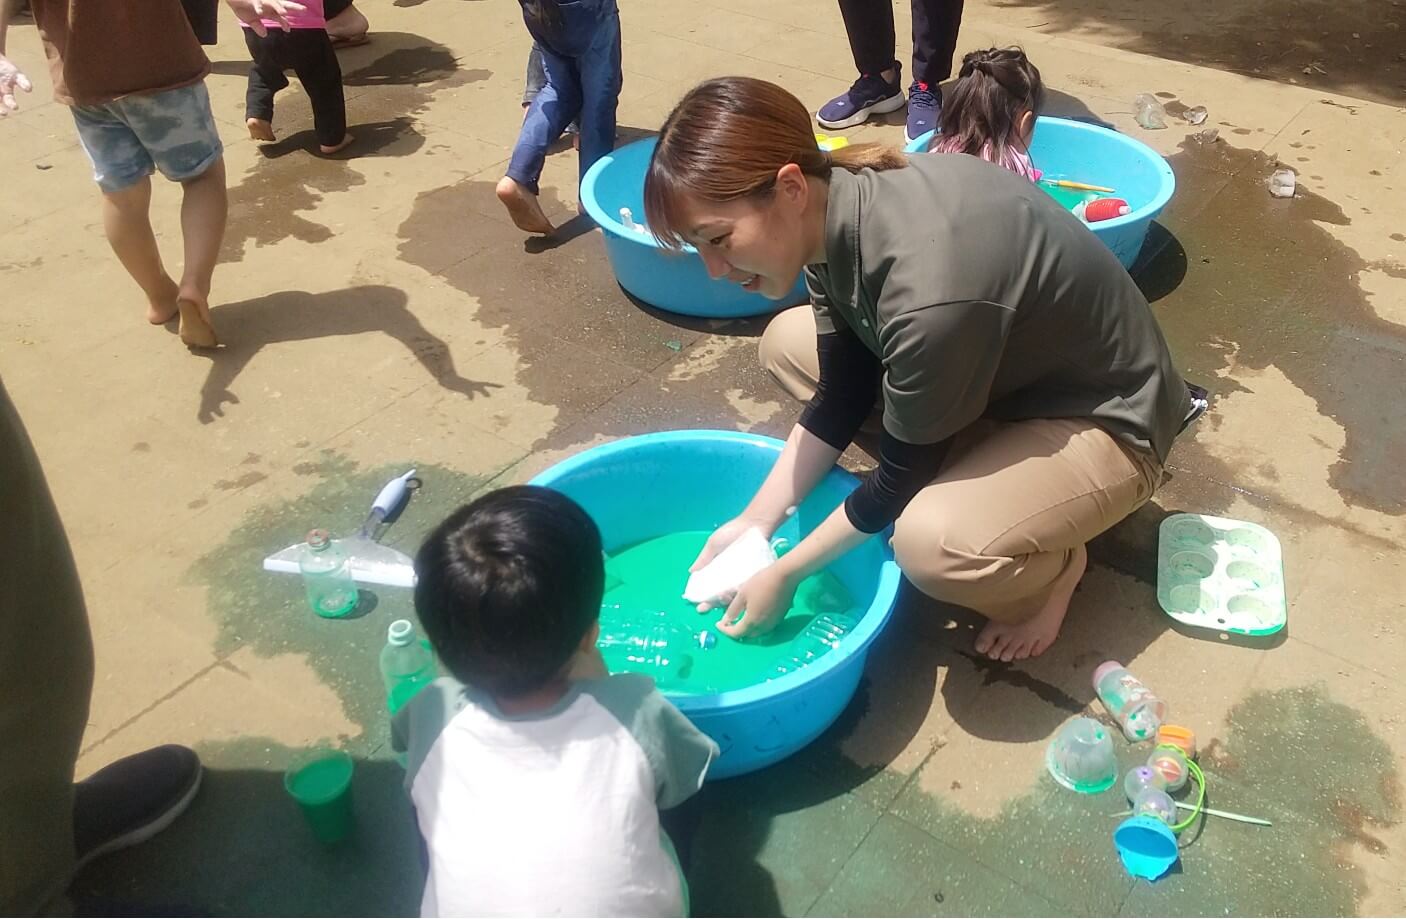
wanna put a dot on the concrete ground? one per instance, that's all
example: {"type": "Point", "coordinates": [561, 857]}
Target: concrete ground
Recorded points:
{"type": "Point", "coordinates": [379, 312]}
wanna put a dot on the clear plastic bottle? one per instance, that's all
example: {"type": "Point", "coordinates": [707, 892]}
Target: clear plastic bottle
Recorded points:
{"type": "Point", "coordinates": [657, 649]}
{"type": "Point", "coordinates": [326, 577]}
{"type": "Point", "coordinates": [1138, 712]}
{"type": "Point", "coordinates": [407, 664]}
{"type": "Point", "coordinates": [820, 636]}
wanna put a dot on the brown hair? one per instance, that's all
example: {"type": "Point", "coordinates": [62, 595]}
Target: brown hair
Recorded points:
{"type": "Point", "coordinates": [993, 88]}
{"type": "Point", "coordinates": [726, 140]}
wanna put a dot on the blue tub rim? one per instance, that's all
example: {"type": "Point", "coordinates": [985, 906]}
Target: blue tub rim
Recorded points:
{"type": "Point", "coordinates": [1166, 187]}
{"type": "Point", "coordinates": [611, 222]}
{"type": "Point", "coordinates": [832, 665]}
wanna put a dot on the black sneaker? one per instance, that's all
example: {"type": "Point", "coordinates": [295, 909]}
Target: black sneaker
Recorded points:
{"type": "Point", "coordinates": [871, 94]}
{"type": "Point", "coordinates": [924, 110]}
{"type": "Point", "coordinates": [132, 800]}
{"type": "Point", "coordinates": [1200, 401]}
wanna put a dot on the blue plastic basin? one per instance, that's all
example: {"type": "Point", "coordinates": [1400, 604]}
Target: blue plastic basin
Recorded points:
{"type": "Point", "coordinates": [673, 281]}
{"type": "Point", "coordinates": [1082, 152]}
{"type": "Point", "coordinates": [648, 486]}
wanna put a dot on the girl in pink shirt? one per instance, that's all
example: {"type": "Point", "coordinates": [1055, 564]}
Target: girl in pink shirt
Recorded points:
{"type": "Point", "coordinates": [990, 113]}
{"type": "Point", "coordinates": [306, 49]}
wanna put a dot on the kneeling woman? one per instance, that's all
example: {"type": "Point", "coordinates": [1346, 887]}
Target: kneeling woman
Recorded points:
{"type": "Point", "coordinates": [1007, 372]}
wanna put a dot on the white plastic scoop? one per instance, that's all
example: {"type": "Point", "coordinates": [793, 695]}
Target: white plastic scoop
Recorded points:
{"type": "Point", "coordinates": [369, 561]}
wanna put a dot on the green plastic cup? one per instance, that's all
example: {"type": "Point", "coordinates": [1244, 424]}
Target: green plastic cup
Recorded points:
{"type": "Point", "coordinates": [320, 781]}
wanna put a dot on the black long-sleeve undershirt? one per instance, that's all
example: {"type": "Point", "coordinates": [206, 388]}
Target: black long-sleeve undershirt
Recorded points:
{"type": "Point", "coordinates": [850, 376]}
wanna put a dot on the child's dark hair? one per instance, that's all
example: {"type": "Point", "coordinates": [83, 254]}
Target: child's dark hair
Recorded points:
{"type": "Point", "coordinates": [993, 88]}
{"type": "Point", "coordinates": [508, 586]}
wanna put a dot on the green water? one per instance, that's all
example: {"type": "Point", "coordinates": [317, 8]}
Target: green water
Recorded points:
{"type": "Point", "coordinates": [645, 585]}
{"type": "Point", "coordinates": [1067, 197]}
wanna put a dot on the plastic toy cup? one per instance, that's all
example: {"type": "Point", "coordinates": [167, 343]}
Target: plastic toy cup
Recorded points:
{"type": "Point", "coordinates": [1174, 735]}
{"type": "Point", "coordinates": [1081, 757]}
{"type": "Point", "coordinates": [320, 781]}
{"type": "Point", "coordinates": [1140, 779]}
{"type": "Point", "coordinates": [1154, 803]}
{"type": "Point", "coordinates": [1170, 763]}
{"type": "Point", "coordinates": [1147, 847]}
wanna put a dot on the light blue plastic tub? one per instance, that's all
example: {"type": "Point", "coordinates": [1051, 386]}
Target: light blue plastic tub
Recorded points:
{"type": "Point", "coordinates": [1082, 152]}
{"type": "Point", "coordinates": [647, 486]}
{"type": "Point", "coordinates": [673, 281]}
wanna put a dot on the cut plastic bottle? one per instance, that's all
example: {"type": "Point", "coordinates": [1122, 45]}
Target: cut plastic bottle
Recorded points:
{"type": "Point", "coordinates": [327, 579]}
{"type": "Point", "coordinates": [1138, 712]}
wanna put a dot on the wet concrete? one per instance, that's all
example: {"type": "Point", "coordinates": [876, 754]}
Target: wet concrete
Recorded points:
{"type": "Point", "coordinates": [1356, 47]}
{"type": "Point", "coordinates": [1290, 296]}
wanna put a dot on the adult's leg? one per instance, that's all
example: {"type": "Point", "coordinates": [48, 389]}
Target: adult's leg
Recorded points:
{"type": "Point", "coordinates": [46, 679]}
{"type": "Point", "coordinates": [935, 26]}
{"type": "Point", "coordinates": [204, 207]}
{"type": "Point", "coordinates": [1002, 528]}
{"type": "Point", "coordinates": [601, 80]}
{"type": "Point", "coordinates": [315, 62]}
{"type": "Point", "coordinates": [869, 27]}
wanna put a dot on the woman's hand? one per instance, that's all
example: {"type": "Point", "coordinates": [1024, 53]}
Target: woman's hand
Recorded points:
{"type": "Point", "coordinates": [760, 603]}
{"type": "Point", "coordinates": [726, 535]}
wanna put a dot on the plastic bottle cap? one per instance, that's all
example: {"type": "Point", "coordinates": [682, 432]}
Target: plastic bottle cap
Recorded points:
{"type": "Point", "coordinates": [319, 539]}
{"type": "Point", "coordinates": [401, 632]}
{"type": "Point", "coordinates": [1103, 670]}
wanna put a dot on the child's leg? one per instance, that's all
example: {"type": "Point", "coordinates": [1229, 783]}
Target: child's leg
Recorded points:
{"type": "Point", "coordinates": [265, 79]}
{"type": "Point", "coordinates": [601, 79]}
{"type": "Point", "coordinates": [122, 168]}
{"type": "Point", "coordinates": [203, 210]}
{"type": "Point", "coordinates": [315, 62]}
{"type": "Point", "coordinates": [127, 222]}
{"type": "Point", "coordinates": [536, 76]}
{"type": "Point", "coordinates": [555, 106]}
{"type": "Point", "coordinates": [177, 130]}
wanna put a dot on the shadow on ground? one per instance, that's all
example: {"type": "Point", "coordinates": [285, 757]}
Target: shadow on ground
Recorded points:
{"type": "Point", "coordinates": [1354, 47]}
{"type": "Point", "coordinates": [296, 315]}
{"type": "Point", "coordinates": [243, 848]}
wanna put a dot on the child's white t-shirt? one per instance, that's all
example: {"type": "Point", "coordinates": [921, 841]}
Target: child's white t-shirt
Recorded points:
{"type": "Point", "coordinates": [556, 813]}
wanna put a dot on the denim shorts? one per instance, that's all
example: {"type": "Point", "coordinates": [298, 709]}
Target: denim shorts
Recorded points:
{"type": "Point", "coordinates": [128, 139]}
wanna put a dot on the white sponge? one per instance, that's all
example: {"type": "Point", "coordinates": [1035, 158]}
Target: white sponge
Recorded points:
{"type": "Point", "coordinates": [748, 554]}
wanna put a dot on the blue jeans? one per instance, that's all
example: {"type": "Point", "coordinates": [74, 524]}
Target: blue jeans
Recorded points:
{"type": "Point", "coordinates": [581, 55]}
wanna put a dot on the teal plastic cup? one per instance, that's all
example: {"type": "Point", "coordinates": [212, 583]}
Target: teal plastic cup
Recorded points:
{"type": "Point", "coordinates": [320, 781]}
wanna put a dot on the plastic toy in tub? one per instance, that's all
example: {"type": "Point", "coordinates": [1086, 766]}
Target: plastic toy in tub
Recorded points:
{"type": "Point", "coordinates": [1221, 574]}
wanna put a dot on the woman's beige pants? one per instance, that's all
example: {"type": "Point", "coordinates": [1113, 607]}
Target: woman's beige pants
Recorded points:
{"type": "Point", "coordinates": [1002, 520]}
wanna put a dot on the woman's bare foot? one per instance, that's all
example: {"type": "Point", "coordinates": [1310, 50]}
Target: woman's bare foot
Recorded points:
{"type": "Point", "coordinates": [325, 150]}
{"type": "Point", "coordinates": [160, 310]}
{"type": "Point", "coordinates": [1015, 642]}
{"type": "Point", "coordinates": [196, 330]}
{"type": "Point", "coordinates": [523, 207]}
{"type": "Point", "coordinates": [260, 130]}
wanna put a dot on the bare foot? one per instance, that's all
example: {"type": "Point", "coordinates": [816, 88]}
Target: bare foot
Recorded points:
{"type": "Point", "coordinates": [348, 27]}
{"type": "Point", "coordinates": [260, 130]}
{"type": "Point", "coordinates": [196, 330]}
{"type": "Point", "coordinates": [1015, 642]}
{"type": "Point", "coordinates": [523, 207]}
{"type": "Point", "coordinates": [328, 151]}
{"type": "Point", "coordinates": [160, 310]}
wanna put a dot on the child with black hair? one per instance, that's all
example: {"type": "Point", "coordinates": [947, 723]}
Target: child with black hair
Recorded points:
{"type": "Point", "coordinates": [538, 781]}
{"type": "Point", "coordinates": [991, 110]}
